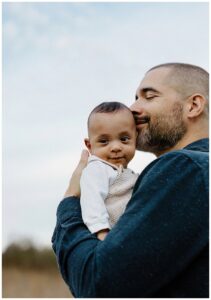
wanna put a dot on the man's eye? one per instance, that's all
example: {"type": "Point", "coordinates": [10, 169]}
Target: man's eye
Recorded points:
{"type": "Point", "coordinates": [150, 97]}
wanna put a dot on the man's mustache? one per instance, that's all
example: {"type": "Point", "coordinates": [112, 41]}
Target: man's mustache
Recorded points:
{"type": "Point", "coordinates": [141, 120]}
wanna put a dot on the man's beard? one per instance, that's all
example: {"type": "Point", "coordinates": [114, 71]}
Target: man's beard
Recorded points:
{"type": "Point", "coordinates": [163, 133]}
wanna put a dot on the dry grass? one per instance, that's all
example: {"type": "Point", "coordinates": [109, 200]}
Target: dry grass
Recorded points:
{"type": "Point", "coordinates": [20, 283]}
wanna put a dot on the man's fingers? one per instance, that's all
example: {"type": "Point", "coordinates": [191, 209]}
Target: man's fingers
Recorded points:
{"type": "Point", "coordinates": [84, 156]}
{"type": "Point", "coordinates": [84, 159]}
{"type": "Point", "coordinates": [74, 184]}
{"type": "Point", "coordinates": [82, 163]}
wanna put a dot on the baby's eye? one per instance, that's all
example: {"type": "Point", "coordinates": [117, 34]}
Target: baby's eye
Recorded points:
{"type": "Point", "coordinates": [125, 138]}
{"type": "Point", "coordinates": [103, 141]}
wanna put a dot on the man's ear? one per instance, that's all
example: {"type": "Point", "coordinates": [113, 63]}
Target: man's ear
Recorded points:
{"type": "Point", "coordinates": [195, 105]}
{"type": "Point", "coordinates": [87, 143]}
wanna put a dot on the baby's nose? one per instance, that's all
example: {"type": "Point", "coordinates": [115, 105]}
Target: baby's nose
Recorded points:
{"type": "Point", "coordinates": [116, 147]}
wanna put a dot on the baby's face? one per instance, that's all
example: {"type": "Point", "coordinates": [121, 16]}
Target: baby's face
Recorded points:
{"type": "Point", "coordinates": [112, 136]}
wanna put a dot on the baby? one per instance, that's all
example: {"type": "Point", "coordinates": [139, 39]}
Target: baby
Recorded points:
{"type": "Point", "coordinates": [106, 183]}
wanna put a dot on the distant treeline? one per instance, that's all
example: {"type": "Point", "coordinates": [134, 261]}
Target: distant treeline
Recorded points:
{"type": "Point", "coordinates": [29, 257]}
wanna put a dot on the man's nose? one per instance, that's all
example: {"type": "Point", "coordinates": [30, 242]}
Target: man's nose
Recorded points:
{"type": "Point", "coordinates": [136, 107]}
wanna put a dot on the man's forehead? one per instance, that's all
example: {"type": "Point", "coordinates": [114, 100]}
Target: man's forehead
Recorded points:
{"type": "Point", "coordinates": [156, 75]}
{"type": "Point", "coordinates": [153, 79]}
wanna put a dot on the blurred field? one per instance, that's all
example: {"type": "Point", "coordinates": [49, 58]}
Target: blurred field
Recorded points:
{"type": "Point", "coordinates": [19, 283]}
{"type": "Point", "coordinates": [28, 272]}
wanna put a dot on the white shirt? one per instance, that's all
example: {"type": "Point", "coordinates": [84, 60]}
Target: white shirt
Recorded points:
{"type": "Point", "coordinates": [95, 181]}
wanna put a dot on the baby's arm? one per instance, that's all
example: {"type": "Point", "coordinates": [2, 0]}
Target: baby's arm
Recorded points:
{"type": "Point", "coordinates": [94, 189]}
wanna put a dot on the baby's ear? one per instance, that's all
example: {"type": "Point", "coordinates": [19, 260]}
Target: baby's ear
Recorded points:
{"type": "Point", "coordinates": [87, 143]}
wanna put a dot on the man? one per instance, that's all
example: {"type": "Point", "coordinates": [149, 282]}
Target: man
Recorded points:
{"type": "Point", "coordinates": [159, 247]}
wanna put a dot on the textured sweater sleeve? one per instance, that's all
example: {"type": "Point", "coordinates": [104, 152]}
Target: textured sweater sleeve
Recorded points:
{"type": "Point", "coordinates": [163, 229]}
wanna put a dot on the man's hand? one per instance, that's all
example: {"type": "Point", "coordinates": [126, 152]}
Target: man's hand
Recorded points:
{"type": "Point", "coordinates": [74, 185]}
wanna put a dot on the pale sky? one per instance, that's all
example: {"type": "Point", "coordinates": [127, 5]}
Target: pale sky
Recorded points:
{"type": "Point", "coordinates": [59, 61]}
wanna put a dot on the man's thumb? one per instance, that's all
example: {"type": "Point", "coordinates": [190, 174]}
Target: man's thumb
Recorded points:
{"type": "Point", "coordinates": [84, 157]}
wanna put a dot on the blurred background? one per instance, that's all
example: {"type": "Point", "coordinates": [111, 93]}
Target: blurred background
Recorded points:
{"type": "Point", "coordinates": [59, 61]}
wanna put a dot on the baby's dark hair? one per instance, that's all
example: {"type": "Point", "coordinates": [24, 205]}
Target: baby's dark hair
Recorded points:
{"type": "Point", "coordinates": [108, 107]}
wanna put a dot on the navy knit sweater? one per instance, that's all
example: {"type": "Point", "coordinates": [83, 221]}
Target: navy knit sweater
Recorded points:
{"type": "Point", "coordinates": [158, 248]}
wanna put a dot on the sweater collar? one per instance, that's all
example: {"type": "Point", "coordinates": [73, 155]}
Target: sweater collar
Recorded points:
{"type": "Point", "coordinates": [200, 145]}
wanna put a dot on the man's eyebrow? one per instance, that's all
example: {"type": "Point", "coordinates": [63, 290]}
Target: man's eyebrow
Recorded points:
{"type": "Point", "coordinates": [148, 89]}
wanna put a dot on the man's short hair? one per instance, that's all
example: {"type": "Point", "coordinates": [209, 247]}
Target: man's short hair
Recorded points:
{"type": "Point", "coordinates": [107, 107]}
{"type": "Point", "coordinates": [188, 78]}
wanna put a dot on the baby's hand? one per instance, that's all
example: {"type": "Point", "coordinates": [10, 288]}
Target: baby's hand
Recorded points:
{"type": "Point", "coordinates": [101, 235]}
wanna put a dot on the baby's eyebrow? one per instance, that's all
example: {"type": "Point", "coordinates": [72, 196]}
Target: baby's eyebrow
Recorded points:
{"type": "Point", "coordinates": [103, 135]}
{"type": "Point", "coordinates": [124, 132]}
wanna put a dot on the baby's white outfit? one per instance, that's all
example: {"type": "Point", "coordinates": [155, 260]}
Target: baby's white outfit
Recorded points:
{"type": "Point", "coordinates": [105, 192]}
